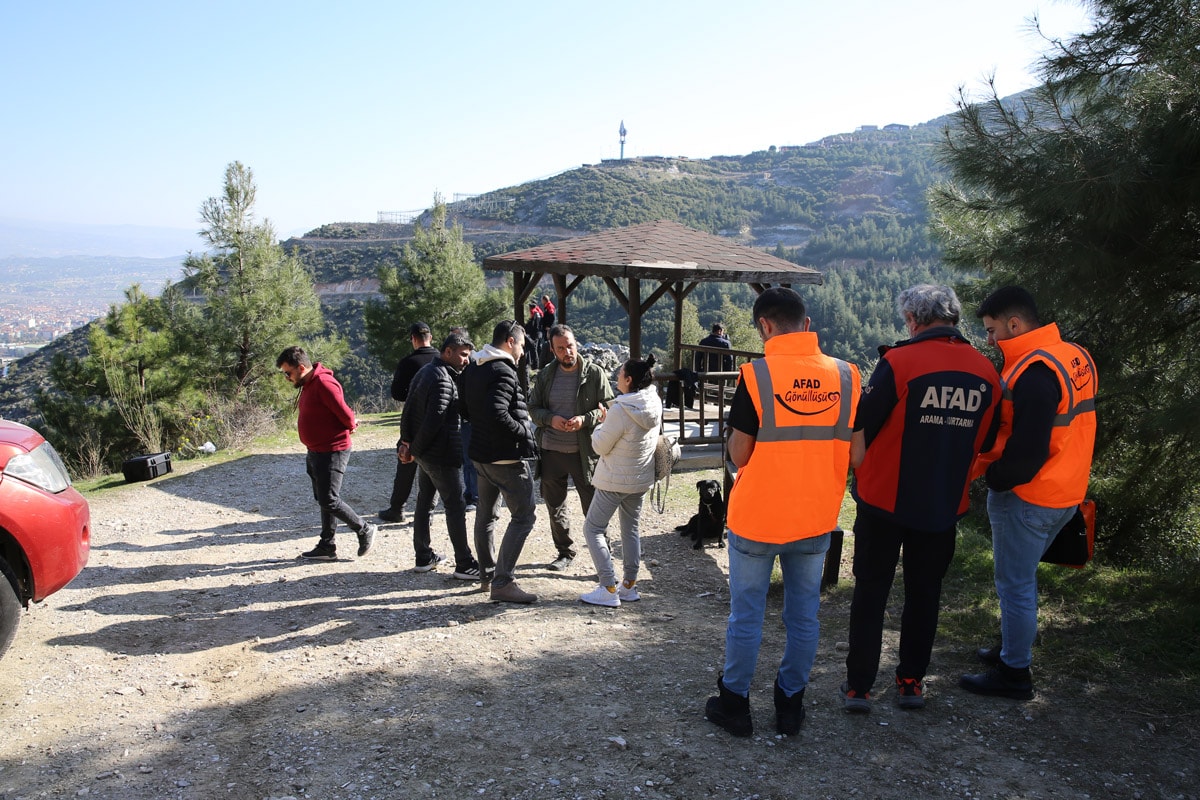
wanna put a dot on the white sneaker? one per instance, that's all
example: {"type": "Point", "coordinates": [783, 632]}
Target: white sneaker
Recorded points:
{"type": "Point", "coordinates": [628, 594]}
{"type": "Point", "coordinates": [601, 596]}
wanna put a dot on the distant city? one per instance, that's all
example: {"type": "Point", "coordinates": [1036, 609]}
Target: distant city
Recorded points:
{"type": "Point", "coordinates": [27, 325]}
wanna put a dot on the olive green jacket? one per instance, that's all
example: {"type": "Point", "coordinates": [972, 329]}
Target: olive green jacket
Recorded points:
{"type": "Point", "coordinates": [594, 389]}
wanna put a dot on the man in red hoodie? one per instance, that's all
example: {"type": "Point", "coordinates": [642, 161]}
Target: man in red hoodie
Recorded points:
{"type": "Point", "coordinates": [325, 423]}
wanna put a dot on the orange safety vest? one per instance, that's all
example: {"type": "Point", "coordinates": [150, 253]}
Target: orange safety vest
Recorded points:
{"type": "Point", "coordinates": [793, 485]}
{"type": "Point", "coordinates": [1062, 481]}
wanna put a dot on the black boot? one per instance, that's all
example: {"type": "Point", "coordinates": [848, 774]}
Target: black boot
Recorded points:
{"type": "Point", "coordinates": [730, 711]}
{"type": "Point", "coordinates": [1001, 681]}
{"type": "Point", "coordinates": [789, 711]}
{"type": "Point", "coordinates": [989, 655]}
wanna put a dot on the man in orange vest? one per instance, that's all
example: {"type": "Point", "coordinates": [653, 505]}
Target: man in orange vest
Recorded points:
{"type": "Point", "coordinates": [790, 420]}
{"type": "Point", "coordinates": [1037, 473]}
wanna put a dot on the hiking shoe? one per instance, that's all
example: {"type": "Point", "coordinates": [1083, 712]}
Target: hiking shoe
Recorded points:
{"type": "Point", "coordinates": [324, 551]}
{"type": "Point", "coordinates": [391, 515]}
{"type": "Point", "coordinates": [628, 594]}
{"type": "Point", "coordinates": [989, 655]}
{"type": "Point", "coordinates": [789, 711]}
{"type": "Point", "coordinates": [432, 563]}
{"type": "Point", "coordinates": [468, 573]}
{"type": "Point", "coordinates": [1001, 681]}
{"type": "Point", "coordinates": [485, 581]}
{"type": "Point", "coordinates": [910, 693]}
{"type": "Point", "coordinates": [601, 596]}
{"type": "Point", "coordinates": [511, 593]}
{"type": "Point", "coordinates": [855, 702]}
{"type": "Point", "coordinates": [730, 711]}
{"type": "Point", "coordinates": [560, 564]}
{"type": "Point", "coordinates": [365, 537]}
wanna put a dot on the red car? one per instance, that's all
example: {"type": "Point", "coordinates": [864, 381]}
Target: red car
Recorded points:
{"type": "Point", "coordinates": [44, 524]}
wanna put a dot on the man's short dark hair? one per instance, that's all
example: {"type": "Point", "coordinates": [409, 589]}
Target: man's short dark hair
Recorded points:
{"type": "Point", "coordinates": [294, 356]}
{"type": "Point", "coordinates": [783, 306]}
{"type": "Point", "coordinates": [718, 327]}
{"type": "Point", "coordinates": [1010, 301]}
{"type": "Point", "coordinates": [456, 340]}
{"type": "Point", "coordinates": [508, 329]}
{"type": "Point", "coordinates": [559, 330]}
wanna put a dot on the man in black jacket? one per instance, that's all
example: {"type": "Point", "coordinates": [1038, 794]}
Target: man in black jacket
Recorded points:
{"type": "Point", "coordinates": [408, 366]}
{"type": "Point", "coordinates": [429, 435]}
{"type": "Point", "coordinates": [501, 439]}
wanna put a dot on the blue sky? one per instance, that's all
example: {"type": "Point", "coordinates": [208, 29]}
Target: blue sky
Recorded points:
{"type": "Point", "coordinates": [127, 112]}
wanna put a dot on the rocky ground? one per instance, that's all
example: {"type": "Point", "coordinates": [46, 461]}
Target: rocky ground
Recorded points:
{"type": "Point", "coordinates": [195, 657]}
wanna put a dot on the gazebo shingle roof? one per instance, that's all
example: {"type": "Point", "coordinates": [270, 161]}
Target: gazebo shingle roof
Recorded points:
{"type": "Point", "coordinates": [662, 250]}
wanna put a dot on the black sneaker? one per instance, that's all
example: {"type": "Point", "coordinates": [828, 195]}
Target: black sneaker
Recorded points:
{"type": "Point", "coordinates": [855, 702]}
{"type": "Point", "coordinates": [432, 563]}
{"type": "Point", "coordinates": [365, 537]}
{"type": "Point", "coordinates": [395, 515]}
{"type": "Point", "coordinates": [910, 693]}
{"type": "Point", "coordinates": [470, 572]}
{"type": "Point", "coordinates": [324, 551]}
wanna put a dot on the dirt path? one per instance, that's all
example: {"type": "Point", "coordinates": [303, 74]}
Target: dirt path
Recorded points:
{"type": "Point", "coordinates": [197, 658]}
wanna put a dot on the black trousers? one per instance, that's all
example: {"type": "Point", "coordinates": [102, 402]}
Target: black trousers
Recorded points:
{"type": "Point", "coordinates": [927, 555]}
{"type": "Point", "coordinates": [402, 484]}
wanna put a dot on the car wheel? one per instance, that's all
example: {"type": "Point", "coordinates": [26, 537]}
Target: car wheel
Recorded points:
{"type": "Point", "coordinates": [10, 606]}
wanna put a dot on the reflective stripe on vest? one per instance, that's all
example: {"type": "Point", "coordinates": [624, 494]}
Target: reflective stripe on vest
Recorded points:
{"type": "Point", "coordinates": [768, 431]}
{"type": "Point", "coordinates": [1073, 409]}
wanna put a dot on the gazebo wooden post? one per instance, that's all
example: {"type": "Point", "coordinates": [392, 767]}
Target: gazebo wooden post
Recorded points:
{"type": "Point", "coordinates": [635, 317]}
{"type": "Point", "coordinates": [677, 293]}
{"type": "Point", "coordinates": [560, 289]}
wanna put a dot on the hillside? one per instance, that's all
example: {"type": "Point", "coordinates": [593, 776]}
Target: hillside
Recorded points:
{"type": "Point", "coordinates": [854, 196]}
{"type": "Point", "coordinates": [846, 205]}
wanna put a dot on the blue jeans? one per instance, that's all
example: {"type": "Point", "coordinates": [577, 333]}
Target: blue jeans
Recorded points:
{"type": "Point", "coordinates": [750, 564]}
{"type": "Point", "coordinates": [514, 483]}
{"type": "Point", "coordinates": [604, 505]}
{"type": "Point", "coordinates": [1021, 532]}
{"type": "Point", "coordinates": [434, 479]}
{"type": "Point", "coordinates": [326, 471]}
{"type": "Point", "coordinates": [470, 478]}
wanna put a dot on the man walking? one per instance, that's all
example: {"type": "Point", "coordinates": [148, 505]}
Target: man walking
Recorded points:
{"type": "Point", "coordinates": [325, 423]}
{"type": "Point", "coordinates": [1037, 472]}
{"type": "Point", "coordinates": [790, 422]}
{"type": "Point", "coordinates": [423, 352]}
{"type": "Point", "coordinates": [568, 400]}
{"type": "Point", "coordinates": [923, 417]}
{"type": "Point", "coordinates": [429, 435]}
{"type": "Point", "coordinates": [502, 439]}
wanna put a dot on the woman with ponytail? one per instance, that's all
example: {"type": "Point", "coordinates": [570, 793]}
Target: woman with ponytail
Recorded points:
{"type": "Point", "coordinates": [625, 442]}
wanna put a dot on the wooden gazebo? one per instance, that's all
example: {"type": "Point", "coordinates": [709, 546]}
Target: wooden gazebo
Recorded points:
{"type": "Point", "coordinates": [673, 256]}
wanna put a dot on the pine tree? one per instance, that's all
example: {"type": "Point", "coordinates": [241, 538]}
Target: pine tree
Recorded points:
{"type": "Point", "coordinates": [436, 282]}
{"type": "Point", "coordinates": [257, 299]}
{"type": "Point", "coordinates": [1087, 192]}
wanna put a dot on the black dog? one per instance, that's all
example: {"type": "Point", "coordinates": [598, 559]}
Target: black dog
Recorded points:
{"type": "Point", "coordinates": [709, 520]}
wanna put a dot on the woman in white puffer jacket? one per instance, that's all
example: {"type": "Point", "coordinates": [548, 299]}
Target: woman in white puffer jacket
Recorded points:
{"type": "Point", "coordinates": [625, 441]}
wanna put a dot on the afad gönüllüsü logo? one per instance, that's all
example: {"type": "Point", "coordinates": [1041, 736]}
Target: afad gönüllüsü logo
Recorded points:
{"type": "Point", "coordinates": [806, 398]}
